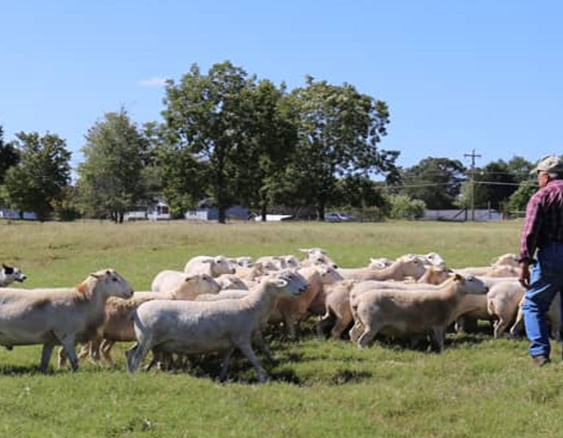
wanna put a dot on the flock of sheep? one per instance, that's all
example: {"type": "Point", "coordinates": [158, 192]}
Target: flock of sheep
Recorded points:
{"type": "Point", "coordinates": [218, 304]}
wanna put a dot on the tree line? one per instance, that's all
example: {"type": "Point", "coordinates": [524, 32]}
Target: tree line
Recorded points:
{"type": "Point", "coordinates": [233, 139]}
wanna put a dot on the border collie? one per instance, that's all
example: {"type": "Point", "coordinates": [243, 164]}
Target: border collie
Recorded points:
{"type": "Point", "coordinates": [9, 274]}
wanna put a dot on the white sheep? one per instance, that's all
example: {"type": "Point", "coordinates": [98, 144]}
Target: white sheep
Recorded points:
{"type": "Point", "coordinates": [58, 316]}
{"type": "Point", "coordinates": [508, 259]}
{"type": "Point", "coordinates": [317, 257]}
{"type": "Point", "coordinates": [231, 281]}
{"type": "Point", "coordinates": [188, 327]}
{"type": "Point", "coordinates": [337, 302]}
{"type": "Point", "coordinates": [213, 266]}
{"type": "Point", "coordinates": [293, 310]}
{"type": "Point", "coordinates": [399, 270]}
{"type": "Point", "coordinates": [168, 280]}
{"type": "Point", "coordinates": [404, 312]}
{"type": "Point", "coordinates": [430, 259]}
{"type": "Point", "coordinates": [553, 315]}
{"type": "Point", "coordinates": [118, 326]}
{"type": "Point", "coordinates": [337, 308]}
{"type": "Point", "coordinates": [276, 263]}
{"type": "Point", "coordinates": [502, 304]}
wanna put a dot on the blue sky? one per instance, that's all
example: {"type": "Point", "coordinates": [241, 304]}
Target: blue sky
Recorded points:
{"type": "Point", "coordinates": [457, 75]}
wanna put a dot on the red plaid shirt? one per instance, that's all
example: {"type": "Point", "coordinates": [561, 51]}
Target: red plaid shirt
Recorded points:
{"type": "Point", "coordinates": [544, 220]}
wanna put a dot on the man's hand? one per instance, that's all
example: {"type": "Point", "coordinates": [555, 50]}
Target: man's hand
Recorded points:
{"type": "Point", "coordinates": [524, 277]}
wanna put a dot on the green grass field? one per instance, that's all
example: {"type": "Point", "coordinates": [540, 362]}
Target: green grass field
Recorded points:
{"type": "Point", "coordinates": [477, 387]}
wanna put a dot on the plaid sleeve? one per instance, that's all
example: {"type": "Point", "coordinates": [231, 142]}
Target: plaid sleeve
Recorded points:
{"type": "Point", "coordinates": [530, 231]}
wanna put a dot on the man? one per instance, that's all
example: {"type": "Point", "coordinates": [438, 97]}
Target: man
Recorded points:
{"type": "Point", "coordinates": [542, 232]}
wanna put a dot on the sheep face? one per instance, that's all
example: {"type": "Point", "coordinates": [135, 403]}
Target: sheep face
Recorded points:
{"type": "Point", "coordinates": [435, 259]}
{"type": "Point", "coordinates": [220, 265]}
{"type": "Point", "coordinates": [471, 284]}
{"type": "Point", "coordinates": [287, 283]}
{"type": "Point", "coordinates": [291, 262]}
{"type": "Point", "coordinates": [230, 281]}
{"type": "Point", "coordinates": [200, 284]}
{"type": "Point", "coordinates": [329, 275]}
{"type": "Point", "coordinates": [379, 263]}
{"type": "Point", "coordinates": [414, 267]}
{"type": "Point", "coordinates": [112, 283]}
{"type": "Point", "coordinates": [318, 257]}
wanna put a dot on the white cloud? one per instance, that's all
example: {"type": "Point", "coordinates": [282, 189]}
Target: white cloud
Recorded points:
{"type": "Point", "coordinates": [152, 82]}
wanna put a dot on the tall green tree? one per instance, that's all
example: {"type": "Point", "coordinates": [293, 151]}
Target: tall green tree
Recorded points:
{"type": "Point", "coordinates": [208, 115]}
{"type": "Point", "coordinates": [272, 130]}
{"type": "Point", "coordinates": [41, 175]}
{"type": "Point", "coordinates": [338, 133]}
{"type": "Point", "coordinates": [520, 168]}
{"type": "Point", "coordinates": [436, 181]}
{"type": "Point", "coordinates": [493, 186]}
{"type": "Point", "coordinates": [519, 199]}
{"type": "Point", "coordinates": [8, 156]}
{"type": "Point", "coordinates": [111, 178]}
{"type": "Point", "coordinates": [358, 192]}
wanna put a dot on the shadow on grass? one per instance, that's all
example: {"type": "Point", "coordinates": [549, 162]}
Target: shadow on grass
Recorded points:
{"type": "Point", "coordinates": [342, 377]}
{"type": "Point", "coordinates": [14, 370]}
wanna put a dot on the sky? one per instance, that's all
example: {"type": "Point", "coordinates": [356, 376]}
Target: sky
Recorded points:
{"type": "Point", "coordinates": [458, 75]}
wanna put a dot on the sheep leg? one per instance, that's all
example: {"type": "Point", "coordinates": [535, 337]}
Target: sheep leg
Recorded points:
{"type": "Point", "coordinates": [85, 351]}
{"type": "Point", "coordinates": [61, 361]}
{"type": "Point", "coordinates": [225, 364]}
{"type": "Point", "coordinates": [68, 344]}
{"type": "Point", "coordinates": [500, 327]}
{"type": "Point", "coordinates": [136, 354]}
{"type": "Point", "coordinates": [339, 327]}
{"type": "Point", "coordinates": [46, 356]}
{"type": "Point", "coordinates": [366, 337]}
{"type": "Point", "coordinates": [290, 327]}
{"type": "Point", "coordinates": [246, 349]}
{"type": "Point", "coordinates": [322, 326]}
{"type": "Point", "coordinates": [356, 331]}
{"type": "Point", "coordinates": [94, 347]}
{"type": "Point", "coordinates": [105, 350]}
{"type": "Point", "coordinates": [438, 337]}
{"type": "Point", "coordinates": [518, 324]}
{"type": "Point", "coordinates": [262, 346]}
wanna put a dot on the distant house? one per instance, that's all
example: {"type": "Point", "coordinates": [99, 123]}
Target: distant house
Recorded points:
{"type": "Point", "coordinates": [481, 215]}
{"type": "Point", "coordinates": [7, 213]}
{"type": "Point", "coordinates": [153, 212]}
{"type": "Point", "coordinates": [205, 211]}
{"type": "Point", "coordinates": [208, 213]}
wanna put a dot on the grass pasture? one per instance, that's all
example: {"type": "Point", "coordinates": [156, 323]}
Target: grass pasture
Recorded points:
{"type": "Point", "coordinates": [476, 388]}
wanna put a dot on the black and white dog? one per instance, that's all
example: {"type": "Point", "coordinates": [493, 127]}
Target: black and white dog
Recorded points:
{"type": "Point", "coordinates": [9, 274]}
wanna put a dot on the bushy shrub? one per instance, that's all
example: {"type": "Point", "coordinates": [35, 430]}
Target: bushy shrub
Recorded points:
{"type": "Point", "coordinates": [404, 207]}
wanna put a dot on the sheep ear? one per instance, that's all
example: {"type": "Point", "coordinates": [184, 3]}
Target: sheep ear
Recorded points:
{"type": "Point", "coordinates": [96, 276]}
{"type": "Point", "coordinates": [207, 261]}
{"type": "Point", "coordinates": [188, 279]}
{"type": "Point", "coordinates": [305, 250]}
{"type": "Point", "coordinates": [458, 277]}
{"type": "Point", "coordinates": [281, 282]}
{"type": "Point", "coordinates": [5, 266]}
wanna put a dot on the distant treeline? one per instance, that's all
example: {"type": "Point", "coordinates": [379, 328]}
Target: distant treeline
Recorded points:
{"type": "Point", "coordinates": [230, 138]}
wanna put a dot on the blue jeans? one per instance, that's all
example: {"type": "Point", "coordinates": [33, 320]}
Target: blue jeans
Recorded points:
{"type": "Point", "coordinates": [546, 281]}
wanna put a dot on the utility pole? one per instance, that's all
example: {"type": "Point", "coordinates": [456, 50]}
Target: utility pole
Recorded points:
{"type": "Point", "coordinates": [472, 155]}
